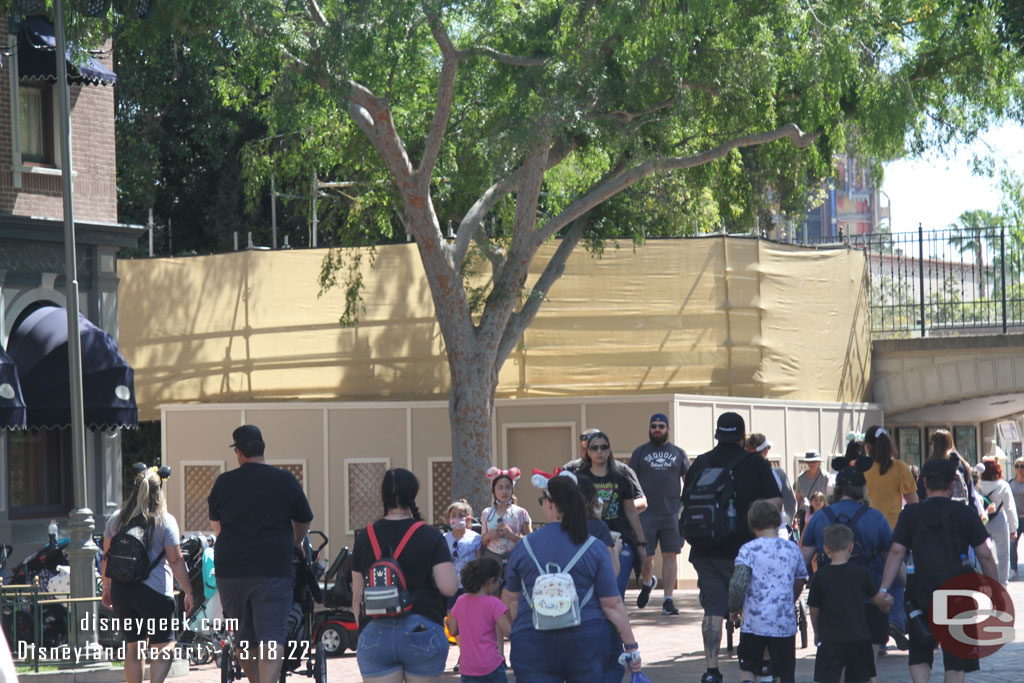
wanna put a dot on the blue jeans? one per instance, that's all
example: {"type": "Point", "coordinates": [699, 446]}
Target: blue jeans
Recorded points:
{"type": "Point", "coordinates": [571, 655]}
{"type": "Point", "coordinates": [897, 613]}
{"type": "Point", "coordinates": [625, 569]}
{"type": "Point", "coordinates": [496, 676]}
{"type": "Point", "coordinates": [413, 644]}
{"type": "Point", "coordinates": [1013, 543]}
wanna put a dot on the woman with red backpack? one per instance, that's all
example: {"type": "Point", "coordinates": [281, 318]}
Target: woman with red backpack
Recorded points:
{"type": "Point", "coordinates": [402, 571]}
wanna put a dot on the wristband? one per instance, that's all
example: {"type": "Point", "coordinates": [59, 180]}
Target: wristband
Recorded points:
{"type": "Point", "coordinates": [630, 646]}
{"type": "Point", "coordinates": [883, 590]}
{"type": "Point", "coordinates": [642, 544]}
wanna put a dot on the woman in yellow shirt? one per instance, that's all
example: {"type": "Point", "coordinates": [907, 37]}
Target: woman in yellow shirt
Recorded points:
{"type": "Point", "coordinates": [890, 481]}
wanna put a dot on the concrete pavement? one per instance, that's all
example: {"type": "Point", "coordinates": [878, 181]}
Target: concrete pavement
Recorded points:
{"type": "Point", "coordinates": [672, 651]}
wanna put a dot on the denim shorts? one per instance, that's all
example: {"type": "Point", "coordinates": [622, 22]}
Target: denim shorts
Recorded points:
{"type": "Point", "coordinates": [413, 644]}
{"type": "Point", "coordinates": [496, 676]}
{"type": "Point", "coordinates": [573, 655]}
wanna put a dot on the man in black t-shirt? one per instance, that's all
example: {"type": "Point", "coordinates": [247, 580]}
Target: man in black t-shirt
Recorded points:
{"type": "Point", "coordinates": [259, 514]}
{"type": "Point", "coordinates": [937, 531]}
{"type": "Point", "coordinates": [753, 480]}
{"type": "Point", "coordinates": [660, 465]}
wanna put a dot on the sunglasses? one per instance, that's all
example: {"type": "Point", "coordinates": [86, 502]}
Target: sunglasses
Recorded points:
{"type": "Point", "coordinates": [657, 425]}
{"type": "Point", "coordinates": [599, 447]}
{"type": "Point", "coordinates": [455, 550]}
{"type": "Point", "coordinates": [540, 501]}
{"type": "Point", "coordinates": [1018, 467]}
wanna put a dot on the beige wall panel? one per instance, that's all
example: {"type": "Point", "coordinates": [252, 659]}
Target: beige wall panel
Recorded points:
{"type": "Point", "coordinates": [625, 423]}
{"type": "Point", "coordinates": [694, 428]}
{"type": "Point", "coordinates": [196, 435]}
{"type": "Point", "coordinates": [530, 447]}
{"type": "Point", "coordinates": [803, 433]}
{"type": "Point", "coordinates": [431, 439]}
{"type": "Point", "coordinates": [528, 411]}
{"type": "Point", "coordinates": [368, 433]}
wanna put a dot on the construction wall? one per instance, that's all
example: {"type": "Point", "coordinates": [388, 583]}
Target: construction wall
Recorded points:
{"type": "Point", "coordinates": [715, 316]}
{"type": "Point", "coordinates": [340, 451]}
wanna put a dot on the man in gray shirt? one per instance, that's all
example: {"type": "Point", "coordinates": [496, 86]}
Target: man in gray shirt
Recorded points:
{"type": "Point", "coordinates": [660, 466]}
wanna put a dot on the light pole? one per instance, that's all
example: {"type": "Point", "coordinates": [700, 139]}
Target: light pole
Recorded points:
{"type": "Point", "coordinates": [82, 550]}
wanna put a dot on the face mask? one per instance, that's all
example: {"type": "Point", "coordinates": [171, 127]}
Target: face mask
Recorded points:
{"type": "Point", "coordinates": [459, 523]}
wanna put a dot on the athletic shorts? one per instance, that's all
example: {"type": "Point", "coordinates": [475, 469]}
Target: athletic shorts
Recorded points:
{"type": "Point", "coordinates": [781, 652]}
{"type": "Point", "coordinates": [878, 624]}
{"type": "Point", "coordinates": [661, 530]}
{"type": "Point", "coordinates": [134, 601]}
{"type": "Point", "coordinates": [922, 654]}
{"type": "Point", "coordinates": [260, 603]}
{"type": "Point", "coordinates": [856, 657]}
{"type": "Point", "coordinates": [713, 576]}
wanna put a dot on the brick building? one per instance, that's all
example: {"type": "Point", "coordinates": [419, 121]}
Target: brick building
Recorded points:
{"type": "Point", "coordinates": [35, 463]}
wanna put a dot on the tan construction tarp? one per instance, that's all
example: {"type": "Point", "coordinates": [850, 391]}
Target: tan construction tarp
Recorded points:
{"type": "Point", "coordinates": [725, 316]}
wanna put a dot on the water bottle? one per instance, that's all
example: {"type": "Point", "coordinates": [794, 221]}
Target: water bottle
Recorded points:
{"type": "Point", "coordinates": [52, 532]}
{"type": "Point", "coordinates": [910, 562]}
{"type": "Point", "coordinates": [731, 516]}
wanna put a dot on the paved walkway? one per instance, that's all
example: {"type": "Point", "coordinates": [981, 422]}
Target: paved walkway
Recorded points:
{"type": "Point", "coordinates": [672, 651]}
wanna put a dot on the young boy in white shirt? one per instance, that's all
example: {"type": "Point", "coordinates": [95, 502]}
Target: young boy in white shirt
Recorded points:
{"type": "Point", "coordinates": [768, 578]}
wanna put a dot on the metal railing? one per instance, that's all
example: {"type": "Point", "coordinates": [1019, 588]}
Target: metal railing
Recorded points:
{"type": "Point", "coordinates": [943, 281]}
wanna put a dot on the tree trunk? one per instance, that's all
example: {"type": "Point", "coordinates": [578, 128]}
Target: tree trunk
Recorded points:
{"type": "Point", "coordinates": [470, 408]}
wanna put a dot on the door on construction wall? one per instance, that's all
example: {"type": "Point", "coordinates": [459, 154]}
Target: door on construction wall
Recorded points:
{"type": "Point", "coordinates": [544, 446]}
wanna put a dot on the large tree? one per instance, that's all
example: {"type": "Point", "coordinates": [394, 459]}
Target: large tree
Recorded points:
{"type": "Point", "coordinates": [512, 123]}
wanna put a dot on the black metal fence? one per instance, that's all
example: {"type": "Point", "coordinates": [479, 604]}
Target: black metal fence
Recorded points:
{"type": "Point", "coordinates": [943, 281]}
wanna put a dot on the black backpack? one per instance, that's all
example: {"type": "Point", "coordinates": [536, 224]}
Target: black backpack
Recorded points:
{"type": "Point", "coordinates": [127, 558]}
{"type": "Point", "coordinates": [860, 554]}
{"type": "Point", "coordinates": [936, 557]}
{"type": "Point", "coordinates": [705, 520]}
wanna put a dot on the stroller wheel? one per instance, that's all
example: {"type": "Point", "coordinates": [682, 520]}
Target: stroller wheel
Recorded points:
{"type": "Point", "coordinates": [319, 666]}
{"type": "Point", "coordinates": [333, 640]}
{"type": "Point", "coordinates": [227, 664]}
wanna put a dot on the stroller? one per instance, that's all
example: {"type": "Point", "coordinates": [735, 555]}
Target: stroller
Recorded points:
{"type": "Point", "coordinates": [202, 635]}
{"type": "Point", "coordinates": [298, 649]}
{"type": "Point", "coordinates": [336, 629]}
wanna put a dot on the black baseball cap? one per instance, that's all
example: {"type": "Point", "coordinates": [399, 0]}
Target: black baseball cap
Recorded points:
{"type": "Point", "coordinates": [731, 427]}
{"type": "Point", "coordinates": [248, 439]}
{"type": "Point", "coordinates": [850, 476]}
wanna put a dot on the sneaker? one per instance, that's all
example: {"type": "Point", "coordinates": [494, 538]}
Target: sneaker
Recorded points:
{"type": "Point", "coordinates": [669, 607]}
{"type": "Point", "coordinates": [765, 674]}
{"type": "Point", "coordinates": [645, 592]}
{"type": "Point", "coordinates": [711, 677]}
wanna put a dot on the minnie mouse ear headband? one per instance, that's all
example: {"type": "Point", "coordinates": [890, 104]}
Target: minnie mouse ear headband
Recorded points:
{"type": "Point", "coordinates": [164, 471]}
{"type": "Point", "coordinates": [512, 473]}
{"type": "Point", "coordinates": [540, 477]}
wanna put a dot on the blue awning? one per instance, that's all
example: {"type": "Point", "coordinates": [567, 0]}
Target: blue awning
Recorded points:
{"type": "Point", "coordinates": [12, 405]}
{"type": "Point", "coordinates": [39, 347]}
{"type": "Point", "coordinates": [36, 48]}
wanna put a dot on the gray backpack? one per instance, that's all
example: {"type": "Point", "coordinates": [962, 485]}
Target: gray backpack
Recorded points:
{"type": "Point", "coordinates": [555, 602]}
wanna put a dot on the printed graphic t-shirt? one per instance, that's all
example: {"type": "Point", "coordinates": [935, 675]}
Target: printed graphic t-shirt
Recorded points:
{"type": "Point", "coordinates": [660, 470]}
{"type": "Point", "coordinates": [775, 564]}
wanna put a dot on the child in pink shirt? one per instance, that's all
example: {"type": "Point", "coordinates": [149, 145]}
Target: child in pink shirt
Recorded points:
{"type": "Point", "coordinates": [480, 619]}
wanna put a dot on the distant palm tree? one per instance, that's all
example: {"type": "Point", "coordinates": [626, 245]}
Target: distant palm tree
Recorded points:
{"type": "Point", "coordinates": [973, 228]}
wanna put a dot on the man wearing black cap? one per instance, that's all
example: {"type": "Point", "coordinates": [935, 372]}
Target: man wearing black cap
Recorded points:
{"type": "Point", "coordinates": [660, 466]}
{"type": "Point", "coordinates": [937, 533]}
{"type": "Point", "coordinates": [259, 513]}
{"type": "Point", "coordinates": [749, 478]}
{"type": "Point", "coordinates": [872, 537]}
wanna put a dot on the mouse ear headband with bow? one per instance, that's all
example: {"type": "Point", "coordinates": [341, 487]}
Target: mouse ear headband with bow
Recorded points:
{"type": "Point", "coordinates": [512, 473]}
{"type": "Point", "coordinates": [540, 477]}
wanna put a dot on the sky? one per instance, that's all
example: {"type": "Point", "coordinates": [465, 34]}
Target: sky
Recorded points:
{"type": "Point", "coordinates": [936, 190]}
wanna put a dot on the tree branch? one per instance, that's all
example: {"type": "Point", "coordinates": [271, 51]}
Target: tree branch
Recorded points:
{"type": "Point", "coordinates": [316, 14]}
{"type": "Point", "coordinates": [522, 319]}
{"type": "Point", "coordinates": [504, 58]}
{"type": "Point", "coordinates": [445, 95]}
{"type": "Point", "coordinates": [494, 194]}
{"type": "Point", "coordinates": [605, 189]}
{"type": "Point", "coordinates": [628, 116]}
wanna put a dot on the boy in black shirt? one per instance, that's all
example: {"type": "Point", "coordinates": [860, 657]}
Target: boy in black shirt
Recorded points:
{"type": "Point", "coordinates": [836, 600]}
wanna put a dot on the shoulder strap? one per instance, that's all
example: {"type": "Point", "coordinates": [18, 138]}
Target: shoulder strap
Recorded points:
{"type": "Point", "coordinates": [858, 514]}
{"type": "Point", "coordinates": [830, 513]}
{"type": "Point", "coordinates": [529, 551]}
{"type": "Point", "coordinates": [405, 538]}
{"type": "Point", "coordinates": [735, 460]}
{"type": "Point", "coordinates": [579, 554]}
{"type": "Point", "coordinates": [373, 541]}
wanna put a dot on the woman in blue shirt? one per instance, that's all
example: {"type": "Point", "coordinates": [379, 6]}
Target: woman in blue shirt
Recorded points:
{"type": "Point", "coordinates": [541, 656]}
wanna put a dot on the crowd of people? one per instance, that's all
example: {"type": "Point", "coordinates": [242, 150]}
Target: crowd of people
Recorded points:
{"type": "Point", "coordinates": [871, 538]}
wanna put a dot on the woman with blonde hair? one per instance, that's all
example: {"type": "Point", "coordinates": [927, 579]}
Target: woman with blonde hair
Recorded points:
{"type": "Point", "coordinates": [147, 606]}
